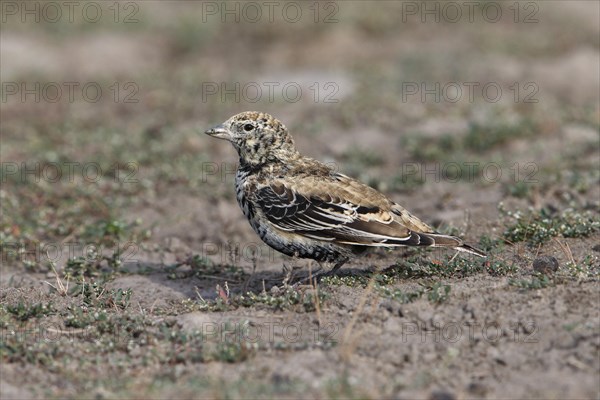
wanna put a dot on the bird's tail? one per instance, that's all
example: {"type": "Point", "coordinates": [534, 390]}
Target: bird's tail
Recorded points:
{"type": "Point", "coordinates": [440, 240]}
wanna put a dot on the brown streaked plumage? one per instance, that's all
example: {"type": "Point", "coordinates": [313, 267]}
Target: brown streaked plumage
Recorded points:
{"type": "Point", "coordinates": [303, 208]}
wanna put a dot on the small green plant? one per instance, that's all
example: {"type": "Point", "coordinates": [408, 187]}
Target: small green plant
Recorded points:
{"type": "Point", "coordinates": [80, 318]}
{"type": "Point", "coordinates": [363, 157]}
{"type": "Point", "coordinates": [519, 189]}
{"type": "Point", "coordinates": [24, 312]}
{"type": "Point", "coordinates": [119, 298]}
{"type": "Point", "coordinates": [289, 298]}
{"type": "Point", "coordinates": [437, 292]}
{"type": "Point", "coordinates": [94, 294]}
{"type": "Point", "coordinates": [348, 280]}
{"type": "Point", "coordinates": [412, 267]}
{"type": "Point", "coordinates": [423, 148]}
{"type": "Point", "coordinates": [588, 268]}
{"type": "Point", "coordinates": [501, 268]}
{"type": "Point", "coordinates": [407, 182]}
{"type": "Point", "coordinates": [537, 227]}
{"type": "Point", "coordinates": [537, 281]}
{"type": "Point", "coordinates": [400, 295]}
{"type": "Point", "coordinates": [228, 343]}
{"type": "Point", "coordinates": [483, 137]}
{"type": "Point", "coordinates": [582, 181]}
{"type": "Point", "coordinates": [110, 232]}
{"type": "Point", "coordinates": [232, 351]}
{"type": "Point", "coordinates": [93, 266]}
{"type": "Point", "coordinates": [488, 243]}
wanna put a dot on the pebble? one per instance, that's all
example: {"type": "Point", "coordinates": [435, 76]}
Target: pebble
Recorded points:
{"type": "Point", "coordinates": [393, 307]}
{"type": "Point", "coordinates": [477, 389]}
{"type": "Point", "coordinates": [442, 395]}
{"type": "Point", "coordinates": [545, 265]}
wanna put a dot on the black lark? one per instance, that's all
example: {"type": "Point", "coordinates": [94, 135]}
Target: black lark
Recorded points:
{"type": "Point", "coordinates": [303, 208]}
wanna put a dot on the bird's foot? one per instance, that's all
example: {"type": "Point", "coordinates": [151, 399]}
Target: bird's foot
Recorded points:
{"type": "Point", "coordinates": [289, 274]}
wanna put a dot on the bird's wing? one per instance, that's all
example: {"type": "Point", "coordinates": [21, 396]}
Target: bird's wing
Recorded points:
{"type": "Point", "coordinates": [338, 209]}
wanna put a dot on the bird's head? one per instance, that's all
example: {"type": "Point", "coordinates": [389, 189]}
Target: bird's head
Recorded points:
{"type": "Point", "coordinates": [258, 138]}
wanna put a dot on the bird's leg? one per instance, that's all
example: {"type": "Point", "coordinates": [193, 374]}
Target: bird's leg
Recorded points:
{"type": "Point", "coordinates": [321, 274]}
{"type": "Point", "coordinates": [336, 267]}
{"type": "Point", "coordinates": [289, 271]}
{"type": "Point", "coordinates": [287, 275]}
{"type": "Point", "coordinates": [310, 264]}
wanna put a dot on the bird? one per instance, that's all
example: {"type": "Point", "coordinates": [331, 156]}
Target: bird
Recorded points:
{"type": "Point", "coordinates": [305, 209]}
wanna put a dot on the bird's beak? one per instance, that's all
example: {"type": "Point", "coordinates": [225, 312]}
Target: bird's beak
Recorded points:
{"type": "Point", "coordinates": [220, 132]}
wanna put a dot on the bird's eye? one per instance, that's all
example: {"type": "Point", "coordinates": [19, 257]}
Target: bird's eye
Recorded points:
{"type": "Point", "coordinates": [248, 127]}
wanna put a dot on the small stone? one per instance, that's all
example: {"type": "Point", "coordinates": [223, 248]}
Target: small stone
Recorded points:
{"type": "Point", "coordinates": [280, 380]}
{"type": "Point", "coordinates": [596, 247]}
{"type": "Point", "coordinates": [477, 389]}
{"type": "Point", "coordinates": [393, 307]}
{"type": "Point", "coordinates": [545, 265]}
{"type": "Point", "coordinates": [442, 395]}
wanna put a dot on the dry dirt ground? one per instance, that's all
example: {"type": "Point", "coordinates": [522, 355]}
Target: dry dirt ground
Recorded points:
{"type": "Point", "coordinates": [129, 271]}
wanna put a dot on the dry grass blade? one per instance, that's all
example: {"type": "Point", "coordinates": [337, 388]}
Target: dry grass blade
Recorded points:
{"type": "Point", "coordinates": [60, 288]}
{"type": "Point", "coordinates": [566, 250]}
{"type": "Point", "coordinates": [315, 284]}
{"type": "Point", "coordinates": [349, 342]}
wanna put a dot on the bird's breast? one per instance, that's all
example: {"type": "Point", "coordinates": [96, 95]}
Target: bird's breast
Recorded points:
{"type": "Point", "coordinates": [241, 179]}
